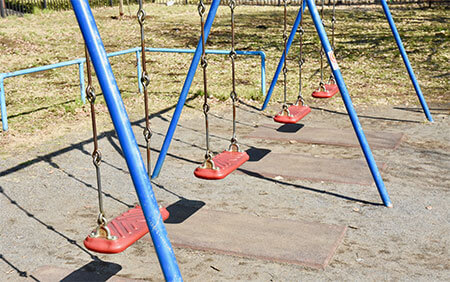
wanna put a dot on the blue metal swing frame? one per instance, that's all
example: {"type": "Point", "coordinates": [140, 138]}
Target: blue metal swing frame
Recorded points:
{"type": "Point", "coordinates": [128, 142]}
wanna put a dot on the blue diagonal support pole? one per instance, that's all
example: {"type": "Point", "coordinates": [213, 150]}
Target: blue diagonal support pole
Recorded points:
{"type": "Point", "coordinates": [412, 76]}
{"type": "Point", "coordinates": [348, 103]}
{"type": "Point", "coordinates": [127, 140]}
{"type": "Point", "coordinates": [185, 90]}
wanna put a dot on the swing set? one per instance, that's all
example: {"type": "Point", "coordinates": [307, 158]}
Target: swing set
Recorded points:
{"type": "Point", "coordinates": [121, 232]}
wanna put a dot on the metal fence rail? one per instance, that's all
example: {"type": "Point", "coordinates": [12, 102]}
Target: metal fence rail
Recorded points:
{"type": "Point", "coordinates": [80, 62]}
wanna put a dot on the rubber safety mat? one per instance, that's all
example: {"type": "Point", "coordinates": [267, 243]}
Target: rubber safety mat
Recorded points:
{"type": "Point", "coordinates": [291, 241]}
{"type": "Point", "coordinates": [326, 136]}
{"type": "Point", "coordinates": [294, 166]}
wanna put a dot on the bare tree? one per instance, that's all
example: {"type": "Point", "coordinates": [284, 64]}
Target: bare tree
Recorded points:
{"type": "Point", "coordinates": [121, 8]}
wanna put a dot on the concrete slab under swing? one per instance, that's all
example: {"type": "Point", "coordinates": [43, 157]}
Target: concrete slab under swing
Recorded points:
{"type": "Point", "coordinates": [325, 136]}
{"type": "Point", "coordinates": [303, 167]}
{"type": "Point", "coordinates": [280, 240]}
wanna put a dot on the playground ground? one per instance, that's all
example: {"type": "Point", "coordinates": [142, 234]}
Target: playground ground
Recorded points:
{"type": "Point", "coordinates": [48, 197]}
{"type": "Point", "coordinates": [49, 203]}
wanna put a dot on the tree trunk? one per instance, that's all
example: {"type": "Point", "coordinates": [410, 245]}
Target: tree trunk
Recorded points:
{"type": "Point", "coordinates": [2, 9]}
{"type": "Point", "coordinates": [121, 8]}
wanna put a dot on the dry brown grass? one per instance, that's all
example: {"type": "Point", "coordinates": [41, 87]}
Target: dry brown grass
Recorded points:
{"type": "Point", "coordinates": [45, 105]}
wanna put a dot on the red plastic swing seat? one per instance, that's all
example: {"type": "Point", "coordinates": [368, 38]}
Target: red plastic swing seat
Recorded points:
{"type": "Point", "coordinates": [127, 227]}
{"type": "Point", "coordinates": [226, 162]}
{"type": "Point", "coordinates": [296, 113]}
{"type": "Point", "coordinates": [332, 89]}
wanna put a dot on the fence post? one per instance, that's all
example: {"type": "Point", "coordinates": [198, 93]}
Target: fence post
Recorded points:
{"type": "Point", "coordinates": [44, 4]}
{"type": "Point", "coordinates": [3, 105]}
{"type": "Point", "coordinates": [138, 65]}
{"type": "Point", "coordinates": [82, 86]}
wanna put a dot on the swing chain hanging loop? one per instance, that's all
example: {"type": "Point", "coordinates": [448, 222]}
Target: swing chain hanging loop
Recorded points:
{"type": "Point", "coordinates": [201, 9]}
{"type": "Point", "coordinates": [148, 133]}
{"type": "Point", "coordinates": [232, 5]}
{"type": "Point", "coordinates": [96, 157]}
{"type": "Point", "coordinates": [102, 229]}
{"type": "Point", "coordinates": [145, 81]}
{"type": "Point", "coordinates": [90, 94]}
{"type": "Point", "coordinates": [141, 14]}
{"type": "Point", "coordinates": [203, 62]}
{"type": "Point", "coordinates": [301, 61]}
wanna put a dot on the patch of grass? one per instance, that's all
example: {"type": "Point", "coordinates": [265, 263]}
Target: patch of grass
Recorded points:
{"type": "Point", "coordinates": [371, 65]}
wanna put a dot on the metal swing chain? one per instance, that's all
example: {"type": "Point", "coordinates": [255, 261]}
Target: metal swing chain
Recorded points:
{"type": "Point", "coordinates": [285, 69]}
{"type": "Point", "coordinates": [208, 162]}
{"type": "Point", "coordinates": [145, 81]}
{"type": "Point", "coordinates": [322, 53]}
{"type": "Point", "coordinates": [234, 146]}
{"type": "Point", "coordinates": [333, 23]}
{"type": "Point", "coordinates": [102, 230]}
{"type": "Point", "coordinates": [301, 61]}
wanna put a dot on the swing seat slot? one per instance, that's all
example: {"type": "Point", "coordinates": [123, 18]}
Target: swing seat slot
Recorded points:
{"type": "Point", "coordinates": [296, 113]}
{"type": "Point", "coordinates": [332, 89]}
{"type": "Point", "coordinates": [127, 227]}
{"type": "Point", "coordinates": [226, 162]}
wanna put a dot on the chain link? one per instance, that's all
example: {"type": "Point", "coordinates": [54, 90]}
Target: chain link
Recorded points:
{"type": "Point", "coordinates": [97, 157]}
{"type": "Point", "coordinates": [90, 93]}
{"type": "Point", "coordinates": [145, 80]}
{"type": "Point", "coordinates": [201, 9]}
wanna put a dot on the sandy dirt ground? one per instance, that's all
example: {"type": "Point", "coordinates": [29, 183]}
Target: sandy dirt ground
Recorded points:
{"type": "Point", "coordinates": [48, 200]}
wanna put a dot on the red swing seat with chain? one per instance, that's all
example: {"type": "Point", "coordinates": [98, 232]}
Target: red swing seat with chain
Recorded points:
{"type": "Point", "coordinates": [331, 90]}
{"type": "Point", "coordinates": [296, 113]}
{"type": "Point", "coordinates": [225, 163]}
{"type": "Point", "coordinates": [127, 228]}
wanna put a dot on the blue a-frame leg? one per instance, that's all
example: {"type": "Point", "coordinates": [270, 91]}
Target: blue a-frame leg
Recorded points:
{"type": "Point", "coordinates": [398, 40]}
{"type": "Point", "coordinates": [127, 140]}
{"type": "Point", "coordinates": [348, 103]}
